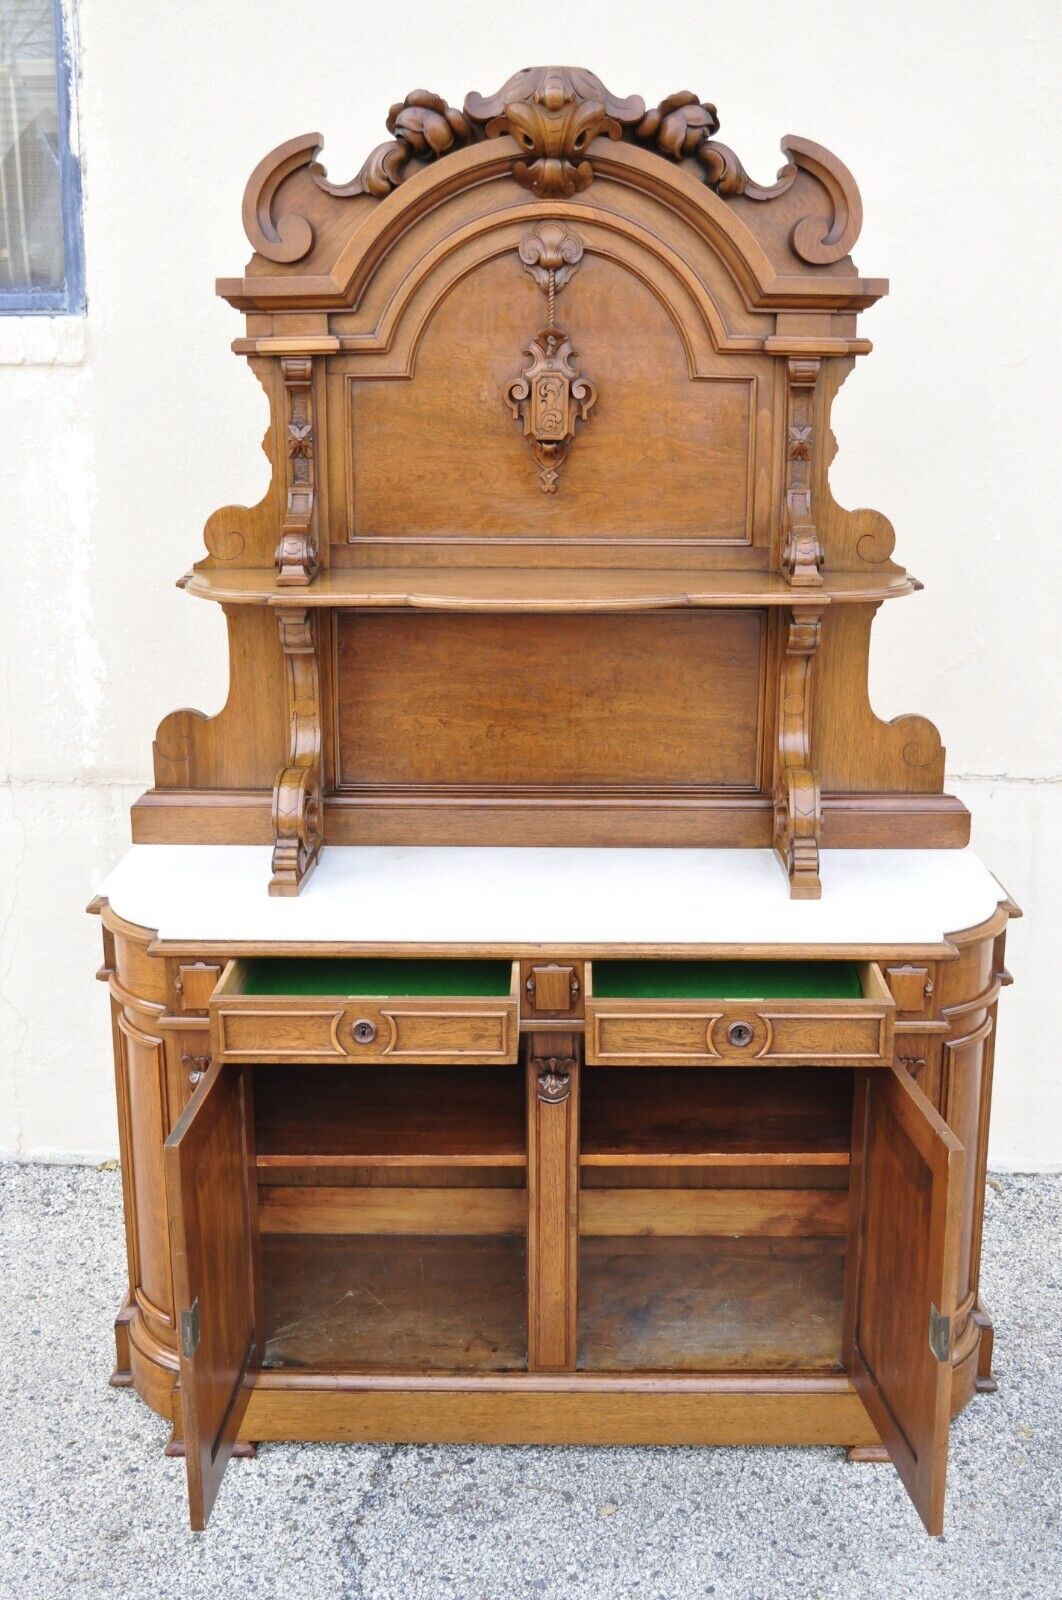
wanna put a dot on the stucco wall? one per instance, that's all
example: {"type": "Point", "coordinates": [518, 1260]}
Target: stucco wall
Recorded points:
{"type": "Point", "coordinates": [123, 432]}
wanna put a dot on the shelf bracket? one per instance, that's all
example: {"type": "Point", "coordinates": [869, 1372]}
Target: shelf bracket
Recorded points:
{"type": "Point", "coordinates": [297, 556]}
{"type": "Point", "coordinates": [797, 800]}
{"type": "Point", "coordinates": [297, 810]}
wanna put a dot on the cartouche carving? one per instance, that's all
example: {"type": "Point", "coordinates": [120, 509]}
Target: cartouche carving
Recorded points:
{"type": "Point", "coordinates": [802, 553]}
{"type": "Point", "coordinates": [551, 395]}
{"type": "Point", "coordinates": [798, 802]}
{"type": "Point", "coordinates": [297, 835]}
{"type": "Point", "coordinates": [296, 554]}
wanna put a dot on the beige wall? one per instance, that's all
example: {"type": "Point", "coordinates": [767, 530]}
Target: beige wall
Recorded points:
{"type": "Point", "coordinates": [122, 433]}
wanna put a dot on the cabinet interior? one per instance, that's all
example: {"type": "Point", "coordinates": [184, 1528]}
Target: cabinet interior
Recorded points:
{"type": "Point", "coordinates": [713, 1213]}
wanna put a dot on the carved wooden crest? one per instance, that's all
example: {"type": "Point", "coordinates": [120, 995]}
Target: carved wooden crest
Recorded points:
{"type": "Point", "coordinates": [551, 395]}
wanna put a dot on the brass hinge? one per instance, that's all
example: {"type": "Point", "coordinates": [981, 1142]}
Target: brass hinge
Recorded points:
{"type": "Point", "coordinates": [939, 1334]}
{"type": "Point", "coordinates": [190, 1329]}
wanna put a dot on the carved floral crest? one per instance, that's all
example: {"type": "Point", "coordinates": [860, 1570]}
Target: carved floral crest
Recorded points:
{"type": "Point", "coordinates": [554, 114]}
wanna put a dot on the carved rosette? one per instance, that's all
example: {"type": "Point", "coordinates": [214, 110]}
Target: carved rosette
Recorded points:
{"type": "Point", "coordinates": [297, 810]}
{"type": "Point", "coordinates": [802, 553]}
{"type": "Point", "coordinates": [798, 802]}
{"type": "Point", "coordinates": [297, 557]}
{"type": "Point", "coordinates": [551, 395]}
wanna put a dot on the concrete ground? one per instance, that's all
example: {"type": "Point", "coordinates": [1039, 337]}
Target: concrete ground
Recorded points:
{"type": "Point", "coordinates": [90, 1507]}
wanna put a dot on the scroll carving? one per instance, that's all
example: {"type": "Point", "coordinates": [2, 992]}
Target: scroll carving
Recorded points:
{"type": "Point", "coordinates": [297, 555]}
{"type": "Point", "coordinates": [554, 114]}
{"type": "Point", "coordinates": [551, 395]}
{"type": "Point", "coordinates": [798, 803]}
{"type": "Point", "coordinates": [297, 836]}
{"type": "Point", "coordinates": [802, 553]}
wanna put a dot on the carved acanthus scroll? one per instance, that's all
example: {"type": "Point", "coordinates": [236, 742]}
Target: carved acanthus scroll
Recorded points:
{"type": "Point", "coordinates": [798, 803]}
{"type": "Point", "coordinates": [551, 395]}
{"type": "Point", "coordinates": [802, 553]}
{"type": "Point", "coordinates": [297, 556]}
{"type": "Point", "coordinates": [554, 114]}
{"type": "Point", "coordinates": [297, 836]}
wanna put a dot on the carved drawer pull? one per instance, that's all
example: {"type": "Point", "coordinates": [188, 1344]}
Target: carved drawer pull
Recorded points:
{"type": "Point", "coordinates": [914, 1064]}
{"type": "Point", "coordinates": [364, 1031]}
{"type": "Point", "coordinates": [739, 1034]}
{"type": "Point", "coordinates": [195, 1066]}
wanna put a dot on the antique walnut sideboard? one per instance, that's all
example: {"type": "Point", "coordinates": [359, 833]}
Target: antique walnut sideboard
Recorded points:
{"type": "Point", "coordinates": [549, 1005]}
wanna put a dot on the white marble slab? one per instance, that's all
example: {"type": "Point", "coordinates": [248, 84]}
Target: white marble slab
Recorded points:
{"type": "Point", "coordinates": [386, 894]}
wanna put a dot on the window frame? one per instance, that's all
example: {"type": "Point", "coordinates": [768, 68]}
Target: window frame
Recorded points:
{"type": "Point", "coordinates": [70, 300]}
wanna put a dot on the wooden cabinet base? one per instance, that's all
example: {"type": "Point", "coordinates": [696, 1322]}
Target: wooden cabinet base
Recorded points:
{"type": "Point", "coordinates": [797, 1411]}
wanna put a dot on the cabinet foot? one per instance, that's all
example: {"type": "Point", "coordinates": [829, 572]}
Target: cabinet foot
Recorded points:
{"type": "Point", "coordinates": [867, 1452]}
{"type": "Point", "coordinates": [986, 1383]}
{"type": "Point", "coordinates": [122, 1376]}
{"type": "Point", "coordinates": [242, 1450]}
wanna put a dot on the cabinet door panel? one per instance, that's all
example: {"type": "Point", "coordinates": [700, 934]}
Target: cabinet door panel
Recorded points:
{"type": "Point", "coordinates": [212, 1197]}
{"type": "Point", "coordinates": [906, 1196]}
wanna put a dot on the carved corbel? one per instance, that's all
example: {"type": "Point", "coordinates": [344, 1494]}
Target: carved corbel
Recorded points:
{"type": "Point", "coordinates": [297, 836]}
{"type": "Point", "coordinates": [297, 556]}
{"type": "Point", "coordinates": [797, 801]}
{"type": "Point", "coordinates": [801, 551]}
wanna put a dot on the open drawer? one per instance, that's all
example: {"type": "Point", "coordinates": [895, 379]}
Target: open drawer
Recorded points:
{"type": "Point", "coordinates": [415, 1011]}
{"type": "Point", "coordinates": [737, 1013]}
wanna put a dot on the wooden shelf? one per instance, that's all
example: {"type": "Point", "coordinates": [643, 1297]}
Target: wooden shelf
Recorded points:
{"type": "Point", "coordinates": [736, 1117]}
{"type": "Point", "coordinates": [339, 1117]}
{"type": "Point", "coordinates": [368, 1304]}
{"type": "Point", "coordinates": [521, 589]}
{"type": "Point", "coordinates": [710, 1305]}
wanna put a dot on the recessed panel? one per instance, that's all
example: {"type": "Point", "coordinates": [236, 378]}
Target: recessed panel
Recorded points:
{"type": "Point", "coordinates": [661, 455]}
{"type": "Point", "coordinates": [532, 702]}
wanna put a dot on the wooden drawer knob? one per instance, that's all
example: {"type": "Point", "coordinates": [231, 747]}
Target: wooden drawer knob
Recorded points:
{"type": "Point", "coordinates": [364, 1031]}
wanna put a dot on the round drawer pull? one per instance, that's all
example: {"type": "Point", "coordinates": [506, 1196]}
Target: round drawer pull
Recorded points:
{"type": "Point", "coordinates": [739, 1034]}
{"type": "Point", "coordinates": [364, 1031]}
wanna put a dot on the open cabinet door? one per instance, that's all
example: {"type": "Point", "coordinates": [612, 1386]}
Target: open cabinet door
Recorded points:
{"type": "Point", "coordinates": [213, 1226]}
{"type": "Point", "coordinates": [907, 1174]}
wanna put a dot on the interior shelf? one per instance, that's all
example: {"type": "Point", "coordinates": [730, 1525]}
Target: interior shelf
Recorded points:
{"type": "Point", "coordinates": [703, 1305]}
{"type": "Point", "coordinates": [387, 1303]}
{"type": "Point", "coordinates": [725, 1117]}
{"type": "Point", "coordinates": [396, 1116]}
{"type": "Point", "coordinates": [539, 588]}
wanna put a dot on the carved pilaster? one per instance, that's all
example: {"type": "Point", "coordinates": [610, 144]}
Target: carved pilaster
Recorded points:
{"type": "Point", "coordinates": [801, 550]}
{"type": "Point", "coordinates": [297, 557]}
{"type": "Point", "coordinates": [553, 1200]}
{"type": "Point", "coordinates": [297, 835]}
{"type": "Point", "coordinates": [797, 801]}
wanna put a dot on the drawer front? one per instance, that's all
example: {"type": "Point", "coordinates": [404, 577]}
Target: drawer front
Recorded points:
{"type": "Point", "coordinates": [415, 1031]}
{"type": "Point", "coordinates": [855, 1032]}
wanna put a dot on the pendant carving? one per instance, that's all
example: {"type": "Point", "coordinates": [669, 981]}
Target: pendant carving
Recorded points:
{"type": "Point", "coordinates": [551, 395]}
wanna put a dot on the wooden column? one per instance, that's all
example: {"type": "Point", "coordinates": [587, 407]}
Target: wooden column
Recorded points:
{"type": "Point", "coordinates": [297, 554]}
{"type": "Point", "coordinates": [297, 836]}
{"type": "Point", "coordinates": [552, 1200]}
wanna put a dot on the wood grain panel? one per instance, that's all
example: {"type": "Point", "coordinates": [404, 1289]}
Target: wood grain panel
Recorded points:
{"type": "Point", "coordinates": [576, 701]}
{"type": "Point", "coordinates": [471, 473]}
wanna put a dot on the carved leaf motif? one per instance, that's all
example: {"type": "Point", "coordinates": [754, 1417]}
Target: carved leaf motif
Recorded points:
{"type": "Point", "coordinates": [552, 251]}
{"type": "Point", "coordinates": [554, 114]}
{"type": "Point", "coordinates": [300, 439]}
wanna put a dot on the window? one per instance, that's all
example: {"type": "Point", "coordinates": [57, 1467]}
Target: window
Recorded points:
{"type": "Point", "coordinates": [41, 255]}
